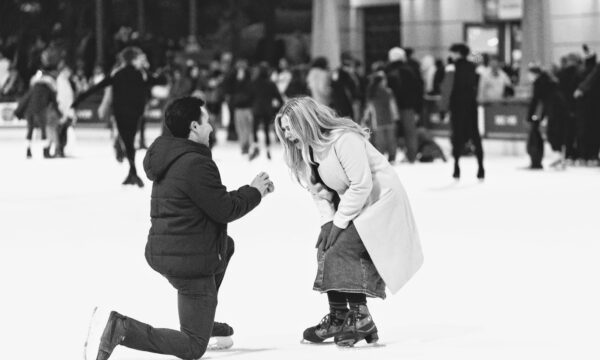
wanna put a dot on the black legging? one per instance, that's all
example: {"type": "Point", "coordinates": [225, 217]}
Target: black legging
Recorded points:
{"type": "Point", "coordinates": [458, 146]}
{"type": "Point", "coordinates": [342, 297]}
{"type": "Point", "coordinates": [127, 126]}
{"type": "Point", "coordinates": [265, 120]}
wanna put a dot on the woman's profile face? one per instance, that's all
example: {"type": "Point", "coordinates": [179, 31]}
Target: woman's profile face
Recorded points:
{"type": "Point", "coordinates": [288, 133]}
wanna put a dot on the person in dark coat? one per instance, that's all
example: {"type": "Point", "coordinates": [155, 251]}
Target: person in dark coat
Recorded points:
{"type": "Point", "coordinates": [38, 106]}
{"type": "Point", "coordinates": [188, 242]}
{"type": "Point", "coordinates": [239, 93]}
{"type": "Point", "coordinates": [569, 78]}
{"type": "Point", "coordinates": [463, 109]}
{"type": "Point", "coordinates": [130, 87]}
{"type": "Point", "coordinates": [547, 102]}
{"type": "Point", "coordinates": [266, 102]}
{"type": "Point", "coordinates": [344, 88]}
{"type": "Point", "coordinates": [588, 110]}
{"type": "Point", "coordinates": [408, 94]}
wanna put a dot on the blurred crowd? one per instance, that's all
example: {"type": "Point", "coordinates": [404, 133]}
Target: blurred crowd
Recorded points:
{"type": "Point", "coordinates": [398, 99]}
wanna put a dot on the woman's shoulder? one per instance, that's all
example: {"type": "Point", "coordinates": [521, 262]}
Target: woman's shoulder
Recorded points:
{"type": "Point", "coordinates": [347, 139]}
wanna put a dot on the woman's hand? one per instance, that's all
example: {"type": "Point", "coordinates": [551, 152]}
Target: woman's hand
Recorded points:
{"type": "Point", "coordinates": [320, 191]}
{"type": "Point", "coordinates": [332, 237]}
{"type": "Point", "coordinates": [325, 230]}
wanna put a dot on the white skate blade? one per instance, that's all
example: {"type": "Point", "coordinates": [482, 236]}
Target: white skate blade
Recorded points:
{"type": "Point", "coordinates": [217, 343]}
{"type": "Point", "coordinates": [95, 329]}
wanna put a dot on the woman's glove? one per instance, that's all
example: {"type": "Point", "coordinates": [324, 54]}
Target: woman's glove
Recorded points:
{"type": "Point", "coordinates": [325, 230]}
{"type": "Point", "coordinates": [332, 237]}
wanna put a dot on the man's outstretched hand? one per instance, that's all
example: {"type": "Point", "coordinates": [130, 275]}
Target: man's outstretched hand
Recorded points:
{"type": "Point", "coordinates": [263, 184]}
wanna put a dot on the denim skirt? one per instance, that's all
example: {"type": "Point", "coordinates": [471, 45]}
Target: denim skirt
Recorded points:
{"type": "Point", "coordinates": [347, 267]}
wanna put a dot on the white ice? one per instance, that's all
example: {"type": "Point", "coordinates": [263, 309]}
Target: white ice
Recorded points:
{"type": "Point", "coordinates": [512, 265]}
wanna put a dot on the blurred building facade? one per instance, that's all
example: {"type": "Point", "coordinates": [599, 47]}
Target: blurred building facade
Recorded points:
{"type": "Point", "coordinates": [520, 31]}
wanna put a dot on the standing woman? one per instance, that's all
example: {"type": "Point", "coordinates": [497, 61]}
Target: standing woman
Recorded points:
{"type": "Point", "coordinates": [130, 86]}
{"type": "Point", "coordinates": [463, 109]}
{"type": "Point", "coordinates": [368, 235]}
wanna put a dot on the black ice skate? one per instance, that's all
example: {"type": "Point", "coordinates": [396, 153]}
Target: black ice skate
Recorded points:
{"type": "Point", "coordinates": [330, 326]}
{"type": "Point", "coordinates": [220, 338]}
{"type": "Point", "coordinates": [358, 325]}
{"type": "Point", "coordinates": [113, 333]}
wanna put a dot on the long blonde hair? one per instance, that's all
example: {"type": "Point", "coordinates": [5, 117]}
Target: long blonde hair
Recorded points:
{"type": "Point", "coordinates": [316, 126]}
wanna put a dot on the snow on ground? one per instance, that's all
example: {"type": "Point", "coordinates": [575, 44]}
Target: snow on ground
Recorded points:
{"type": "Point", "coordinates": [511, 265]}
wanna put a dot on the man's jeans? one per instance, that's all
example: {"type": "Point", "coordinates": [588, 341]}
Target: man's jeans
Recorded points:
{"type": "Point", "coordinates": [197, 302]}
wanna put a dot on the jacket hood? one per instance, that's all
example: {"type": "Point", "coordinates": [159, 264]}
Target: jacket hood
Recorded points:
{"type": "Point", "coordinates": [165, 150]}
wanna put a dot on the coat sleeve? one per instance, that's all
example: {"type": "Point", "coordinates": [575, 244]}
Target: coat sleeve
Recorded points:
{"type": "Point", "coordinates": [210, 195]}
{"type": "Point", "coordinates": [587, 84]}
{"type": "Point", "coordinates": [352, 153]}
{"type": "Point", "coordinates": [101, 85]}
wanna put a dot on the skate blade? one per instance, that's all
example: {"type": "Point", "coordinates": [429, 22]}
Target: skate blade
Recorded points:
{"type": "Point", "coordinates": [306, 342]}
{"type": "Point", "coordinates": [217, 343]}
{"type": "Point", "coordinates": [96, 327]}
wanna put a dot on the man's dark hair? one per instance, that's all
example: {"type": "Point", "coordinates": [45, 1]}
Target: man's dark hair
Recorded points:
{"type": "Point", "coordinates": [461, 49]}
{"type": "Point", "coordinates": [180, 114]}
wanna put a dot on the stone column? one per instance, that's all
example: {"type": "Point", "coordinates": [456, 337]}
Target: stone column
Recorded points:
{"type": "Point", "coordinates": [325, 37]}
{"type": "Point", "coordinates": [537, 42]}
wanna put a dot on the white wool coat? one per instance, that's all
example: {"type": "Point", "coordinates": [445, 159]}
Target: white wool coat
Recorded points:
{"type": "Point", "coordinates": [372, 196]}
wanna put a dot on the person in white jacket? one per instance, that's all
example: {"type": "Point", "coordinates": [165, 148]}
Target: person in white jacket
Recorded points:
{"type": "Point", "coordinates": [368, 237]}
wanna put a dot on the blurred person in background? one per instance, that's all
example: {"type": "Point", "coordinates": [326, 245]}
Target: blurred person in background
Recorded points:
{"type": "Point", "coordinates": [408, 94]}
{"type": "Point", "coordinates": [415, 66]}
{"type": "Point", "coordinates": [547, 102]}
{"type": "Point", "coordinates": [463, 109]}
{"type": "Point", "coordinates": [229, 72]}
{"type": "Point", "coordinates": [14, 85]}
{"type": "Point", "coordinates": [39, 106]}
{"type": "Point", "coordinates": [282, 76]}
{"type": "Point", "coordinates": [265, 103]}
{"type": "Point", "coordinates": [240, 97]}
{"type": "Point", "coordinates": [4, 69]}
{"type": "Point", "coordinates": [180, 84]}
{"type": "Point", "coordinates": [587, 95]}
{"type": "Point", "coordinates": [319, 81]}
{"type": "Point", "coordinates": [65, 97]}
{"type": "Point", "coordinates": [493, 83]}
{"type": "Point", "coordinates": [381, 114]}
{"type": "Point", "coordinates": [213, 94]}
{"type": "Point", "coordinates": [130, 86]}
{"type": "Point", "coordinates": [297, 86]}
{"type": "Point", "coordinates": [345, 88]}
{"type": "Point", "coordinates": [569, 76]}
{"type": "Point", "coordinates": [430, 97]}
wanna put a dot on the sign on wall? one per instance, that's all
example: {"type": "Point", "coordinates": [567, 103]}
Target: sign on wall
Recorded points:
{"type": "Point", "coordinates": [503, 9]}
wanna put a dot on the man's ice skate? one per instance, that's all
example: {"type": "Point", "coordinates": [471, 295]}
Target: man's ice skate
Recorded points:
{"type": "Point", "coordinates": [106, 331]}
{"type": "Point", "coordinates": [330, 326]}
{"type": "Point", "coordinates": [358, 325]}
{"type": "Point", "coordinates": [220, 339]}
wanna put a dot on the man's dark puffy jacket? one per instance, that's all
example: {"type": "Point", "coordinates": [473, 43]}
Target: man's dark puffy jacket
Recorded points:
{"type": "Point", "coordinates": [190, 209]}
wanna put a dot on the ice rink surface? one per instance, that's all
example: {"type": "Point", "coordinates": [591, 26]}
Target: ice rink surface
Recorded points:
{"type": "Point", "coordinates": [512, 265]}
